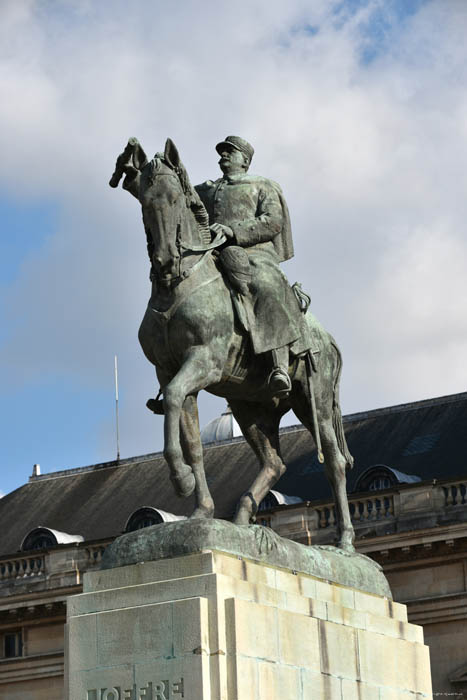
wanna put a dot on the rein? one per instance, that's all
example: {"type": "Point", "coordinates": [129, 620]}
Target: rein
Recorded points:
{"type": "Point", "coordinates": [218, 240]}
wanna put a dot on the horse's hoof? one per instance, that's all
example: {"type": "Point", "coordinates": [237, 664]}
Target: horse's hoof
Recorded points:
{"type": "Point", "coordinates": [204, 513]}
{"type": "Point", "coordinates": [242, 517]}
{"type": "Point", "coordinates": [184, 484]}
{"type": "Point", "coordinates": [346, 544]}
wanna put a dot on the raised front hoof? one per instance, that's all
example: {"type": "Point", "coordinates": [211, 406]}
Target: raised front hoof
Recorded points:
{"type": "Point", "coordinates": [184, 484]}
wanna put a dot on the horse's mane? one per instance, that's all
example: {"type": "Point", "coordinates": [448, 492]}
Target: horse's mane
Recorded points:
{"type": "Point", "coordinates": [193, 200]}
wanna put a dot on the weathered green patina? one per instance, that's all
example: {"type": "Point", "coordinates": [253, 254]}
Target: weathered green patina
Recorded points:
{"type": "Point", "coordinates": [252, 213]}
{"type": "Point", "coordinates": [254, 542]}
{"type": "Point", "coordinates": [219, 307]}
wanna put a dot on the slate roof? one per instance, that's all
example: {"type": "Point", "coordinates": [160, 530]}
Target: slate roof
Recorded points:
{"type": "Point", "coordinates": [426, 438]}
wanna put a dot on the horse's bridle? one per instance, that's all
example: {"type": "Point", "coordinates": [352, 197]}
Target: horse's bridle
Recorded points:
{"type": "Point", "coordinates": [182, 248]}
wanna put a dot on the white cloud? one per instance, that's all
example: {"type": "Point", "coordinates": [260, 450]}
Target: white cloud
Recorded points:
{"type": "Point", "coordinates": [371, 158]}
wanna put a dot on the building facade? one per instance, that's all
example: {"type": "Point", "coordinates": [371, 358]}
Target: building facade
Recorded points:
{"type": "Point", "coordinates": [408, 500]}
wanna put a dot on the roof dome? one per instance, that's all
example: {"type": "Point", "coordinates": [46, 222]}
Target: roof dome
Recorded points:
{"type": "Point", "coordinates": [225, 427]}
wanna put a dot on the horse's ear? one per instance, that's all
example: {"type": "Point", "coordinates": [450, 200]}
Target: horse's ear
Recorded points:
{"type": "Point", "coordinates": [139, 156]}
{"type": "Point", "coordinates": [171, 154]}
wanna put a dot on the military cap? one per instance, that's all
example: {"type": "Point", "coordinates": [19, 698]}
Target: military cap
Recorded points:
{"type": "Point", "coordinates": [239, 144]}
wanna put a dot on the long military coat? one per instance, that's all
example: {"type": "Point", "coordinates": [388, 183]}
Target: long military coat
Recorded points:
{"type": "Point", "coordinates": [254, 208]}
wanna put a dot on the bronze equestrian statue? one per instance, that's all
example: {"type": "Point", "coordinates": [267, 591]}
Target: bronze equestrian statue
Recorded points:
{"type": "Point", "coordinates": [222, 317]}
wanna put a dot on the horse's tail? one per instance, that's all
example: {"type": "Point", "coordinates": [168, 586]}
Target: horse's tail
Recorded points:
{"type": "Point", "coordinates": [337, 423]}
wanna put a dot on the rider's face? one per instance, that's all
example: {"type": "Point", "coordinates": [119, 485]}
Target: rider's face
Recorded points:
{"type": "Point", "coordinates": [231, 160]}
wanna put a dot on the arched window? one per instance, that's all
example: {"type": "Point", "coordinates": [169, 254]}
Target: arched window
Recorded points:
{"type": "Point", "coordinates": [379, 477]}
{"type": "Point", "coordinates": [39, 540]}
{"type": "Point", "coordinates": [144, 517]}
{"type": "Point", "coordinates": [147, 516]}
{"type": "Point", "coordinates": [379, 483]}
{"type": "Point", "coordinates": [275, 498]}
{"type": "Point", "coordinates": [376, 478]}
{"type": "Point", "coordinates": [44, 538]}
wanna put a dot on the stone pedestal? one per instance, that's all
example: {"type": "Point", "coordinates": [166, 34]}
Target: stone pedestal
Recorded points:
{"type": "Point", "coordinates": [214, 625]}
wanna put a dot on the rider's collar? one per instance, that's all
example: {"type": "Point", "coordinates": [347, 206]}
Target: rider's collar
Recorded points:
{"type": "Point", "coordinates": [234, 178]}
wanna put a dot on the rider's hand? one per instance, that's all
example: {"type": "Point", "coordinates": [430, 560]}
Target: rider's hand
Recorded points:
{"type": "Point", "coordinates": [218, 229]}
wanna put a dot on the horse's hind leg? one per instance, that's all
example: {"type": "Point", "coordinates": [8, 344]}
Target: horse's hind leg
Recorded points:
{"type": "Point", "coordinates": [260, 426]}
{"type": "Point", "coordinates": [334, 461]}
{"type": "Point", "coordinates": [335, 468]}
{"type": "Point", "coordinates": [193, 453]}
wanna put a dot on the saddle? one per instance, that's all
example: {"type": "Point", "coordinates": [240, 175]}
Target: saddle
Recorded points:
{"type": "Point", "coordinates": [234, 264]}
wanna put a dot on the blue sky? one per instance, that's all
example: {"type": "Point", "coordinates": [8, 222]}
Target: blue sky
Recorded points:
{"type": "Point", "coordinates": [353, 106]}
{"type": "Point", "coordinates": [25, 227]}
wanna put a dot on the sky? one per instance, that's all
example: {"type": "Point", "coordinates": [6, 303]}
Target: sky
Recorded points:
{"type": "Point", "coordinates": [357, 108]}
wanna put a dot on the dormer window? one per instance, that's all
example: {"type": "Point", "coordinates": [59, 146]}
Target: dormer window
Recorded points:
{"type": "Point", "coordinates": [44, 538]}
{"type": "Point", "coordinates": [379, 483]}
{"type": "Point", "coordinates": [40, 539]}
{"type": "Point", "coordinates": [379, 477]}
{"type": "Point", "coordinates": [143, 517]}
{"type": "Point", "coordinates": [275, 498]}
{"type": "Point", "coordinates": [148, 516]}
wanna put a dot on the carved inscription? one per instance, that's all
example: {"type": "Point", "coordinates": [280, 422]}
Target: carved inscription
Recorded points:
{"type": "Point", "coordinates": [154, 690]}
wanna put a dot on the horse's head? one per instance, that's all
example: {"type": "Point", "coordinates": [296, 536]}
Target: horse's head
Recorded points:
{"type": "Point", "coordinates": [166, 197]}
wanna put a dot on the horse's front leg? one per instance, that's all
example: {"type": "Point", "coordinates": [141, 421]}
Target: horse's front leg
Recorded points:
{"type": "Point", "coordinates": [193, 452]}
{"type": "Point", "coordinates": [196, 373]}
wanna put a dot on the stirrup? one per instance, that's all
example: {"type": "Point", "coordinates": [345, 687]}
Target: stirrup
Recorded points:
{"type": "Point", "coordinates": [279, 383]}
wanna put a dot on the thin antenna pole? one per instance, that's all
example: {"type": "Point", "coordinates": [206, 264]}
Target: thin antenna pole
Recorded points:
{"type": "Point", "coordinates": [116, 408]}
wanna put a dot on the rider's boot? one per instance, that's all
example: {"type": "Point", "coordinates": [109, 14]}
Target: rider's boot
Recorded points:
{"type": "Point", "coordinates": [156, 405]}
{"type": "Point", "coordinates": [279, 381]}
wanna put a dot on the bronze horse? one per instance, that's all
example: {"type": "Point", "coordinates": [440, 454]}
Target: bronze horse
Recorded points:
{"type": "Point", "coordinates": [191, 334]}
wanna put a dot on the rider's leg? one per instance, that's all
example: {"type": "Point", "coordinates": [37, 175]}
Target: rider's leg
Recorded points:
{"type": "Point", "coordinates": [236, 264]}
{"type": "Point", "coordinates": [279, 380]}
{"type": "Point", "coordinates": [277, 319]}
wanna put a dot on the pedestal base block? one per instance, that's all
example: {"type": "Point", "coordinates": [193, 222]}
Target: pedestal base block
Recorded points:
{"type": "Point", "coordinates": [217, 626]}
